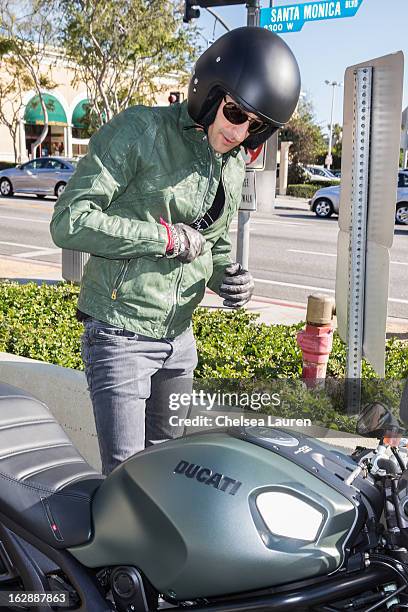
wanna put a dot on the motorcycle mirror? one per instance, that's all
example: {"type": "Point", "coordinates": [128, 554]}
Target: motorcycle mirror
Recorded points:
{"type": "Point", "coordinates": [376, 420]}
{"type": "Point", "coordinates": [403, 408]}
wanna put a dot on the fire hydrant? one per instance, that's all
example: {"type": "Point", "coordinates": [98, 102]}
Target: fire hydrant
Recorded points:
{"type": "Point", "coordinates": [316, 340]}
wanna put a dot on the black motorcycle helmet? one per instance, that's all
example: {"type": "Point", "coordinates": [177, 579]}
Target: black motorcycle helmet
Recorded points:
{"type": "Point", "coordinates": [257, 69]}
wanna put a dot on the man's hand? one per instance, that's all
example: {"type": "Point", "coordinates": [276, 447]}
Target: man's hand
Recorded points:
{"type": "Point", "coordinates": [189, 243]}
{"type": "Point", "coordinates": [237, 286]}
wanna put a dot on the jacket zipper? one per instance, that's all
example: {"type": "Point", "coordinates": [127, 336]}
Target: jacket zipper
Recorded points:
{"type": "Point", "coordinates": [120, 278]}
{"type": "Point", "coordinates": [178, 280]}
{"type": "Point", "coordinates": [175, 295]}
{"type": "Point", "coordinates": [208, 186]}
{"type": "Point", "coordinates": [224, 210]}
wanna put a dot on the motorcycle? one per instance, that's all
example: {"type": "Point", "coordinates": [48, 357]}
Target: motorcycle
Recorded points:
{"type": "Point", "coordinates": [247, 519]}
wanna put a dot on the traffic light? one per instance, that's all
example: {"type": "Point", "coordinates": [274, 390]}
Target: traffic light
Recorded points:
{"type": "Point", "coordinates": [194, 13]}
{"type": "Point", "coordinates": [174, 97]}
{"type": "Point", "coordinates": [190, 12]}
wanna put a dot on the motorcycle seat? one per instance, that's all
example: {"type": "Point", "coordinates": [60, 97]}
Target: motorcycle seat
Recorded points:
{"type": "Point", "coordinates": [46, 486]}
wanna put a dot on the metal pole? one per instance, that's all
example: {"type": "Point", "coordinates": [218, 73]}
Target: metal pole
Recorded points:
{"type": "Point", "coordinates": [332, 84]}
{"type": "Point", "coordinates": [358, 238]}
{"type": "Point", "coordinates": [331, 127]}
{"type": "Point", "coordinates": [253, 7]}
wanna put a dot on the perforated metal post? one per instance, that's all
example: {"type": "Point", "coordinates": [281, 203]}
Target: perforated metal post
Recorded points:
{"type": "Point", "coordinates": [357, 260]}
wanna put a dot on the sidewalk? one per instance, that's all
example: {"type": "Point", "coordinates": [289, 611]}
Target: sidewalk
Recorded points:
{"type": "Point", "coordinates": [291, 203]}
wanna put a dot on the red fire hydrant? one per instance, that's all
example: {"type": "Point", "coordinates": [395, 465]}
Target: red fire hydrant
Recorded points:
{"type": "Point", "coordinates": [316, 340]}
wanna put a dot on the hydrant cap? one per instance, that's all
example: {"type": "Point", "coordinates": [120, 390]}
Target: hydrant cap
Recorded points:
{"type": "Point", "coordinates": [320, 309]}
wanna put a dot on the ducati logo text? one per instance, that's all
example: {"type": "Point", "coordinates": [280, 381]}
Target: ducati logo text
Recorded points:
{"type": "Point", "coordinates": [208, 477]}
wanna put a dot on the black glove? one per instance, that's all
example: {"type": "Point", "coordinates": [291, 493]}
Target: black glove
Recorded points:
{"type": "Point", "coordinates": [237, 286]}
{"type": "Point", "coordinates": [189, 243]}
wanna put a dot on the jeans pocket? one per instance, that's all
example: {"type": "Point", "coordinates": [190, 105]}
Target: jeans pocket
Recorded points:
{"type": "Point", "coordinates": [103, 332]}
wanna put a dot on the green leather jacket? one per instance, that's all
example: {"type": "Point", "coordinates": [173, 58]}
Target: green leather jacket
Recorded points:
{"type": "Point", "coordinates": [141, 166]}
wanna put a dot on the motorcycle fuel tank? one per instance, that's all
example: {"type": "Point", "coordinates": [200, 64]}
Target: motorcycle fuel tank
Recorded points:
{"type": "Point", "coordinates": [219, 513]}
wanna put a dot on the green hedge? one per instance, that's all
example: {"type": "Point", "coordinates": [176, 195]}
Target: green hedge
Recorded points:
{"type": "Point", "coordinates": [307, 190]}
{"type": "Point", "coordinates": [320, 184]}
{"type": "Point", "coordinates": [39, 322]}
{"type": "Point", "coordinates": [4, 165]}
{"type": "Point", "coordinates": [301, 191]}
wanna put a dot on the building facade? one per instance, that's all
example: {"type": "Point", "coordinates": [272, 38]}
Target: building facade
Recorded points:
{"type": "Point", "coordinates": [67, 109]}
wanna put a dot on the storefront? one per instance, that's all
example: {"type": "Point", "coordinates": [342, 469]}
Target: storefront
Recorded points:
{"type": "Point", "coordinates": [80, 129]}
{"type": "Point", "coordinates": [68, 118]}
{"type": "Point", "coordinates": [64, 137]}
{"type": "Point", "coordinates": [54, 143]}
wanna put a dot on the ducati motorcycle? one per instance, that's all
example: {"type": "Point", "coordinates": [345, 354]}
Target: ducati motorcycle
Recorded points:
{"type": "Point", "coordinates": [244, 519]}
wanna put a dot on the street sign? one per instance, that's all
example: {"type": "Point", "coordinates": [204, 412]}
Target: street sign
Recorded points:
{"type": "Point", "coordinates": [292, 17]}
{"type": "Point", "coordinates": [248, 201]}
{"type": "Point", "coordinates": [328, 160]}
{"type": "Point", "coordinates": [255, 158]}
{"type": "Point", "coordinates": [371, 138]}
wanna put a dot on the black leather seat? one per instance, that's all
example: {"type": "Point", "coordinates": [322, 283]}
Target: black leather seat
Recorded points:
{"type": "Point", "coordinates": [46, 486]}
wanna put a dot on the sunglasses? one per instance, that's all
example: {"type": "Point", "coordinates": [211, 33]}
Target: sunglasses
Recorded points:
{"type": "Point", "coordinates": [235, 115]}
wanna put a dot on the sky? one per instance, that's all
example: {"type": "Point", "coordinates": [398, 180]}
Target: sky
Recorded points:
{"type": "Point", "coordinates": [324, 49]}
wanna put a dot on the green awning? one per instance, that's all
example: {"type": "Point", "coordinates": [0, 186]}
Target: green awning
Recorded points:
{"type": "Point", "coordinates": [80, 114]}
{"type": "Point", "coordinates": [35, 116]}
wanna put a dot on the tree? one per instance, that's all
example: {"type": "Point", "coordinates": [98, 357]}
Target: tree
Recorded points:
{"type": "Point", "coordinates": [14, 82]}
{"type": "Point", "coordinates": [306, 135]}
{"type": "Point", "coordinates": [26, 31]}
{"type": "Point", "coordinates": [337, 143]}
{"type": "Point", "coordinates": [120, 48]}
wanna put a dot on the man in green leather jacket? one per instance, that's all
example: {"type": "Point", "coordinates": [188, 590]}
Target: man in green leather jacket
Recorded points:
{"type": "Point", "coordinates": [152, 203]}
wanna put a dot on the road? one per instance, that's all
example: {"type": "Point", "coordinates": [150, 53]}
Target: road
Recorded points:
{"type": "Point", "coordinates": [292, 252]}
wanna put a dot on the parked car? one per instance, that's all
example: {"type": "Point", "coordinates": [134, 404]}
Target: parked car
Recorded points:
{"type": "Point", "coordinates": [319, 174]}
{"type": "Point", "coordinates": [326, 201]}
{"type": "Point", "coordinates": [42, 176]}
{"type": "Point", "coordinates": [336, 173]}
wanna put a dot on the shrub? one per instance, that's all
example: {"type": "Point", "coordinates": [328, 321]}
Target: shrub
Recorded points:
{"type": "Point", "coordinates": [307, 190]}
{"type": "Point", "coordinates": [320, 184]}
{"type": "Point", "coordinates": [301, 191]}
{"type": "Point", "coordinates": [39, 322]}
{"type": "Point", "coordinates": [235, 352]}
{"type": "Point", "coordinates": [296, 174]}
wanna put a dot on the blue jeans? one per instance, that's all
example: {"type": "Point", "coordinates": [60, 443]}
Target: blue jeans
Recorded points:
{"type": "Point", "coordinates": [130, 378]}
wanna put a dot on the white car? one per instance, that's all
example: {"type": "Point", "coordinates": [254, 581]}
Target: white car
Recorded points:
{"type": "Point", "coordinates": [318, 174]}
{"type": "Point", "coordinates": [326, 201]}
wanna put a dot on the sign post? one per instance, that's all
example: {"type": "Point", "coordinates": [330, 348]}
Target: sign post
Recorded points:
{"type": "Point", "coordinates": [371, 138]}
{"type": "Point", "coordinates": [244, 213]}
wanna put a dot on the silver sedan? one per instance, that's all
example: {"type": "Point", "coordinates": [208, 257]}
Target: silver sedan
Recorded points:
{"type": "Point", "coordinates": [326, 201]}
{"type": "Point", "coordinates": [42, 176]}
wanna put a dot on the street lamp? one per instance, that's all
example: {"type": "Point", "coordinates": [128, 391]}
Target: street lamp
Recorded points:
{"type": "Point", "coordinates": [329, 159]}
